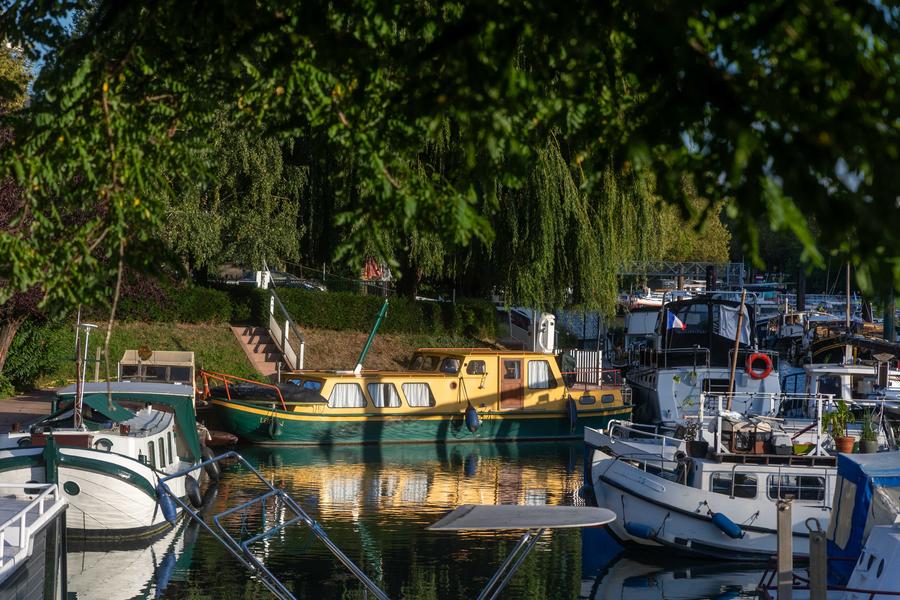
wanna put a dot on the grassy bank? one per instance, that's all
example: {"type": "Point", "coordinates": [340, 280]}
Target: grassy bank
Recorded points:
{"type": "Point", "coordinates": [214, 346]}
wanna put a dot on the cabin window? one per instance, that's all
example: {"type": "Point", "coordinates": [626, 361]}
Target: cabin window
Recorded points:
{"type": "Point", "coordinates": [384, 395]}
{"type": "Point", "coordinates": [476, 367]}
{"type": "Point", "coordinates": [162, 452]}
{"type": "Point", "coordinates": [129, 371]}
{"type": "Point", "coordinates": [154, 373]}
{"type": "Point", "coordinates": [424, 363]}
{"type": "Point", "coordinates": [418, 394]}
{"type": "Point", "coordinates": [182, 374]}
{"type": "Point", "coordinates": [797, 487]}
{"type": "Point", "coordinates": [346, 395]}
{"type": "Point", "coordinates": [450, 365]}
{"type": "Point", "coordinates": [607, 398]}
{"type": "Point", "coordinates": [539, 375]}
{"type": "Point", "coordinates": [739, 485]}
{"type": "Point", "coordinates": [151, 450]}
{"type": "Point", "coordinates": [588, 399]}
{"type": "Point", "coordinates": [171, 447]}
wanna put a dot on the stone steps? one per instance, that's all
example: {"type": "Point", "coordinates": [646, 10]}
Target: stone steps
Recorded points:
{"type": "Point", "coordinates": [260, 349]}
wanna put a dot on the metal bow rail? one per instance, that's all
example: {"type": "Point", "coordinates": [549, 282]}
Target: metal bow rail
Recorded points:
{"type": "Point", "coordinates": [533, 520]}
{"type": "Point", "coordinates": [240, 548]}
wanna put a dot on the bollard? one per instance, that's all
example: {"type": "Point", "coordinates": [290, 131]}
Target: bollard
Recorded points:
{"type": "Point", "coordinates": [818, 561]}
{"type": "Point", "coordinates": [785, 551]}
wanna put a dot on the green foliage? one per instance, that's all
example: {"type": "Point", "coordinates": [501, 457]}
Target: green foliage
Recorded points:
{"type": "Point", "coordinates": [38, 348]}
{"type": "Point", "coordinates": [342, 311]}
{"type": "Point", "coordinates": [247, 212]}
{"type": "Point", "coordinates": [869, 427]}
{"type": "Point", "coordinates": [15, 73]}
{"type": "Point", "coordinates": [177, 305]}
{"type": "Point", "coordinates": [838, 419]}
{"type": "Point", "coordinates": [786, 110]}
{"type": "Point", "coordinates": [43, 353]}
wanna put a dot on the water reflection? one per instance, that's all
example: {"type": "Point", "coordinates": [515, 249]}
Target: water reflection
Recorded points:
{"type": "Point", "coordinates": [375, 504]}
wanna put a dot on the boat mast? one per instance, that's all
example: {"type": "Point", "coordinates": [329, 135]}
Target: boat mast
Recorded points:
{"type": "Point", "coordinates": [81, 373]}
{"type": "Point", "coordinates": [737, 345]}
{"type": "Point", "coordinates": [362, 355]}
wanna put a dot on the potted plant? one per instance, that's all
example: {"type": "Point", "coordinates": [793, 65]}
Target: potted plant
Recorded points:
{"type": "Point", "coordinates": [836, 422]}
{"type": "Point", "coordinates": [868, 441]}
{"type": "Point", "coordinates": [696, 448]}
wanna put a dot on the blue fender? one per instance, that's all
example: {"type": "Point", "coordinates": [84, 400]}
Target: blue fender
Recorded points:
{"type": "Point", "coordinates": [473, 421]}
{"type": "Point", "coordinates": [728, 527]}
{"type": "Point", "coordinates": [166, 504]}
{"type": "Point", "coordinates": [640, 530]}
{"type": "Point", "coordinates": [572, 410]}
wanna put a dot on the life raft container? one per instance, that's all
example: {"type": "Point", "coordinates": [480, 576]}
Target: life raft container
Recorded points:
{"type": "Point", "coordinates": [752, 371]}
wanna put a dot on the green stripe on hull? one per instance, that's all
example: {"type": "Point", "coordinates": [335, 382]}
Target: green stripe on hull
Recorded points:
{"type": "Point", "coordinates": [258, 429]}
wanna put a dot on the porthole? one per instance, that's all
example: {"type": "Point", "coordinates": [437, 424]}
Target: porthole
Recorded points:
{"type": "Point", "coordinates": [880, 568]}
{"type": "Point", "coordinates": [71, 488]}
{"type": "Point", "coordinates": [871, 556]}
{"type": "Point", "coordinates": [104, 444]}
{"type": "Point", "coordinates": [24, 442]}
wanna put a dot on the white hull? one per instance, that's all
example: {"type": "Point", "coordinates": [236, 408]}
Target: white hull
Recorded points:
{"type": "Point", "coordinates": [678, 513]}
{"type": "Point", "coordinates": [109, 495]}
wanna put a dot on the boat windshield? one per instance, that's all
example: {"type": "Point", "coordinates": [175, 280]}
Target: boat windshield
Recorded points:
{"type": "Point", "coordinates": [450, 365]}
{"type": "Point", "coordinates": [421, 362]}
{"type": "Point", "coordinates": [307, 384]}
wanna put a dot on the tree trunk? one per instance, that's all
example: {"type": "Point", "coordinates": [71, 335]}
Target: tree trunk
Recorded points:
{"type": "Point", "coordinates": [8, 329]}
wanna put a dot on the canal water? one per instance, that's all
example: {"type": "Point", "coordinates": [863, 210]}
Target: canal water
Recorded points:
{"type": "Point", "coordinates": [375, 503]}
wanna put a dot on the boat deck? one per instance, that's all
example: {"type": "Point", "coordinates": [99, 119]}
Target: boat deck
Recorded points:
{"type": "Point", "coordinates": [9, 509]}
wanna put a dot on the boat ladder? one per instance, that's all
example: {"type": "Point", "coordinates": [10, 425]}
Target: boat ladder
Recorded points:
{"type": "Point", "coordinates": [240, 548]}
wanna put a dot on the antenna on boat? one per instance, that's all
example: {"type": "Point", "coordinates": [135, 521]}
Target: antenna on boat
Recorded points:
{"type": "Point", "coordinates": [362, 355]}
{"type": "Point", "coordinates": [81, 368]}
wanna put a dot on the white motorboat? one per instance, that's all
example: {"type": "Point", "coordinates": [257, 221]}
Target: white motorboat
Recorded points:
{"type": "Point", "coordinates": [720, 504]}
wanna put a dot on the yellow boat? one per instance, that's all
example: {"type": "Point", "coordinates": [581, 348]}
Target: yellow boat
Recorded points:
{"type": "Point", "coordinates": [447, 394]}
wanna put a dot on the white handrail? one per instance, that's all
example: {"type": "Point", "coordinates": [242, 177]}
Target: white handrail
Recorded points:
{"type": "Point", "coordinates": [20, 518]}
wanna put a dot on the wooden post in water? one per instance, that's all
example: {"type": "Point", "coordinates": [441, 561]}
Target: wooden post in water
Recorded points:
{"type": "Point", "coordinates": [737, 345]}
{"type": "Point", "coordinates": [785, 551]}
{"type": "Point", "coordinates": [818, 565]}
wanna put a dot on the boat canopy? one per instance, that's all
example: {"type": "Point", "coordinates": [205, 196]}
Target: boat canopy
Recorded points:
{"type": "Point", "coordinates": [867, 493]}
{"type": "Point", "coordinates": [112, 410]}
{"type": "Point", "coordinates": [178, 397]}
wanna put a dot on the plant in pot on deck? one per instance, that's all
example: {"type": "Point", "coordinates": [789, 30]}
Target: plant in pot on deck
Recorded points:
{"type": "Point", "coordinates": [868, 440]}
{"type": "Point", "coordinates": [836, 422]}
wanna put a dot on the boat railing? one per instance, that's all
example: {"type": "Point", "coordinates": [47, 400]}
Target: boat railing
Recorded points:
{"type": "Point", "coordinates": [697, 356]}
{"type": "Point", "coordinates": [292, 513]}
{"type": "Point", "coordinates": [228, 380]}
{"type": "Point", "coordinates": [593, 376]}
{"type": "Point", "coordinates": [29, 518]}
{"type": "Point", "coordinates": [723, 403]}
{"type": "Point", "coordinates": [619, 430]}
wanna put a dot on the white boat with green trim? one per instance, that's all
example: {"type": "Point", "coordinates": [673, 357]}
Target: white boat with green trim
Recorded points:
{"type": "Point", "coordinates": [108, 456]}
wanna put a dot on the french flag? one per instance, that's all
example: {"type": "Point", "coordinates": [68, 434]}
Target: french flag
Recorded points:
{"type": "Point", "coordinates": [673, 322]}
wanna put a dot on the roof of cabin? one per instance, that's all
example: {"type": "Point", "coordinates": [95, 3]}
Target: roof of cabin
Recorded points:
{"type": "Point", "coordinates": [127, 388]}
{"type": "Point", "coordinates": [480, 351]}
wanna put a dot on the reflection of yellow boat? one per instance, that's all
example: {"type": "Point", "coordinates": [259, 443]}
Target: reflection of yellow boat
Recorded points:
{"type": "Point", "coordinates": [450, 394]}
{"type": "Point", "coordinates": [415, 478]}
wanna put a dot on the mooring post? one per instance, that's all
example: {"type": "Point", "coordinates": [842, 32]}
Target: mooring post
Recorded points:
{"type": "Point", "coordinates": [785, 551]}
{"type": "Point", "coordinates": [818, 562]}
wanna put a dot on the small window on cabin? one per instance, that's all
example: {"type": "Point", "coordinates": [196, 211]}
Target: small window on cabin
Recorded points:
{"type": "Point", "coordinates": [180, 374]}
{"type": "Point", "coordinates": [740, 485]}
{"type": "Point", "coordinates": [384, 395]}
{"type": "Point", "coordinates": [418, 395]}
{"type": "Point", "coordinates": [588, 399]}
{"type": "Point", "coordinates": [607, 398]}
{"type": "Point", "coordinates": [512, 369]}
{"type": "Point", "coordinates": [129, 371]}
{"type": "Point", "coordinates": [450, 365]}
{"type": "Point", "coordinates": [346, 395]}
{"type": "Point", "coordinates": [476, 367]}
{"type": "Point", "coordinates": [154, 373]}
{"type": "Point", "coordinates": [796, 487]}
{"type": "Point", "coordinates": [171, 447]}
{"type": "Point", "coordinates": [163, 461]}
{"type": "Point", "coordinates": [539, 375]}
{"type": "Point", "coordinates": [151, 460]}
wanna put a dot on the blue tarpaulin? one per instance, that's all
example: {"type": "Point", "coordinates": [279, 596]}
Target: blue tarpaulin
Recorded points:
{"type": "Point", "coordinates": [859, 477]}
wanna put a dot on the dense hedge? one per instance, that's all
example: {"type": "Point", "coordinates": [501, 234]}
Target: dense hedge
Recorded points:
{"type": "Point", "coordinates": [344, 311]}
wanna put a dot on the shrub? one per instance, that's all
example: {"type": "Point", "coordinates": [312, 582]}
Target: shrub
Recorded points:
{"type": "Point", "coordinates": [345, 311]}
{"type": "Point", "coordinates": [38, 349]}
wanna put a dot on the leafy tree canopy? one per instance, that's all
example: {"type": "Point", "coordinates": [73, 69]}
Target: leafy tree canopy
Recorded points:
{"type": "Point", "coordinates": [787, 108]}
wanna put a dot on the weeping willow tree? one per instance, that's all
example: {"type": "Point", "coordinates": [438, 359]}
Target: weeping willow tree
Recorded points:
{"type": "Point", "coordinates": [559, 244]}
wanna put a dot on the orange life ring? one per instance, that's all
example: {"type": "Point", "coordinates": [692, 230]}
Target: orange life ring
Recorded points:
{"type": "Point", "coordinates": [753, 373]}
